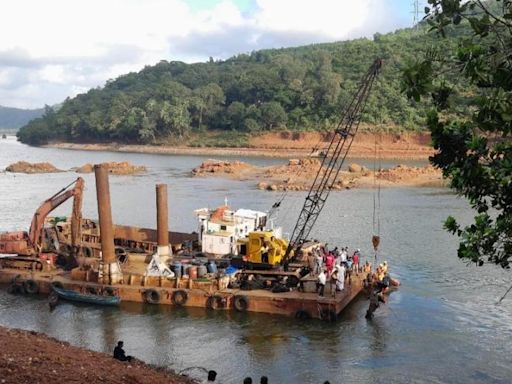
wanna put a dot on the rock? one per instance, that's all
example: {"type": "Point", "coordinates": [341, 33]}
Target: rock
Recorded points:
{"type": "Point", "coordinates": [26, 167]}
{"type": "Point", "coordinates": [115, 168]}
{"type": "Point", "coordinates": [262, 185]}
{"type": "Point", "coordinates": [355, 168]}
{"type": "Point", "coordinates": [294, 162]}
{"type": "Point", "coordinates": [220, 166]}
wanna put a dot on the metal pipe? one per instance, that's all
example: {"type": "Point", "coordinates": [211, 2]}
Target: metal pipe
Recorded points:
{"type": "Point", "coordinates": [162, 219]}
{"type": "Point", "coordinates": [105, 214]}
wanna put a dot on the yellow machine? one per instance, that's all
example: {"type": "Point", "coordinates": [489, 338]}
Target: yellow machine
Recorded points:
{"type": "Point", "coordinates": [262, 247]}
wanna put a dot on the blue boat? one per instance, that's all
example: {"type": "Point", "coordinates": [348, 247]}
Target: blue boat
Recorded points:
{"type": "Point", "coordinates": [88, 298]}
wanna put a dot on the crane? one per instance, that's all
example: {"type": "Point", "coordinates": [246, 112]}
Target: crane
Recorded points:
{"type": "Point", "coordinates": [31, 243]}
{"type": "Point", "coordinates": [335, 155]}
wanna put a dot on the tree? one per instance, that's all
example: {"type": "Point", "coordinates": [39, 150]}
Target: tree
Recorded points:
{"type": "Point", "coordinates": [236, 115]}
{"type": "Point", "coordinates": [474, 151]}
{"type": "Point", "coordinates": [272, 114]}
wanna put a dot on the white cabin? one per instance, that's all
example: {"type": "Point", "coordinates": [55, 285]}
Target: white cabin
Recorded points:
{"type": "Point", "coordinates": [220, 228]}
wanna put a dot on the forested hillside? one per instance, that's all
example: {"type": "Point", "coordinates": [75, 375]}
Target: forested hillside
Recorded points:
{"type": "Point", "coordinates": [302, 88]}
{"type": "Point", "coordinates": [14, 118]}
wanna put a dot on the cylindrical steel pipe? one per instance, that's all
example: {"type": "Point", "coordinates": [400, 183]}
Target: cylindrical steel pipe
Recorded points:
{"type": "Point", "coordinates": [105, 213]}
{"type": "Point", "coordinates": [162, 215]}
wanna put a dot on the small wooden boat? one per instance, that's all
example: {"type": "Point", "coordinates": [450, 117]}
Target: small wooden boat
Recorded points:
{"type": "Point", "coordinates": [88, 298]}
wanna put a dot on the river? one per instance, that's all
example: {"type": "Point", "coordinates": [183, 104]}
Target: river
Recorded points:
{"type": "Point", "coordinates": [442, 325]}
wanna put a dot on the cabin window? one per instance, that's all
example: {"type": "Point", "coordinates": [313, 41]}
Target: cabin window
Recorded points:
{"type": "Point", "coordinates": [223, 227]}
{"type": "Point", "coordinates": [243, 249]}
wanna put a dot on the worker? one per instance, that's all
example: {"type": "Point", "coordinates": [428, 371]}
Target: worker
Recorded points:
{"type": "Point", "coordinates": [334, 282]}
{"type": "Point", "coordinates": [119, 352]}
{"type": "Point", "coordinates": [385, 267]}
{"type": "Point", "coordinates": [319, 261]}
{"type": "Point", "coordinates": [380, 273]}
{"type": "Point", "coordinates": [329, 262]}
{"type": "Point", "coordinates": [264, 252]}
{"type": "Point", "coordinates": [374, 303]}
{"type": "Point", "coordinates": [355, 261]}
{"type": "Point", "coordinates": [367, 267]}
{"type": "Point", "coordinates": [341, 277]}
{"type": "Point", "coordinates": [343, 255]}
{"type": "Point", "coordinates": [320, 285]}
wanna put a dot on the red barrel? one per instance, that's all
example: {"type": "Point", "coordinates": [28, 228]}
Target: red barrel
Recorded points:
{"type": "Point", "coordinates": [192, 272]}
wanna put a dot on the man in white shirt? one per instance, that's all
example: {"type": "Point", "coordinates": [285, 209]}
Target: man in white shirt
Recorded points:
{"type": "Point", "coordinates": [340, 284]}
{"type": "Point", "coordinates": [320, 285]}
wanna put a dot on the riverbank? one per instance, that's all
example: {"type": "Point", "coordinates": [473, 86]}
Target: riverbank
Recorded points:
{"type": "Point", "coordinates": [32, 357]}
{"type": "Point", "coordinates": [286, 145]}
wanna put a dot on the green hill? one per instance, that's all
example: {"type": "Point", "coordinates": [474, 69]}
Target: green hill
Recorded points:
{"type": "Point", "coordinates": [302, 88]}
{"type": "Point", "coordinates": [14, 118]}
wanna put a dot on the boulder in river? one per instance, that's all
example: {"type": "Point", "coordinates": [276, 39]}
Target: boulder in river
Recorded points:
{"type": "Point", "coordinates": [115, 168]}
{"type": "Point", "coordinates": [26, 167]}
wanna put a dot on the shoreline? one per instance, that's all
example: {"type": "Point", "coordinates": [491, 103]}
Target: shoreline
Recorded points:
{"type": "Point", "coordinates": [389, 147]}
{"type": "Point", "coordinates": [29, 356]}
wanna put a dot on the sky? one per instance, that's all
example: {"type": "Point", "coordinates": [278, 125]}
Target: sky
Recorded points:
{"type": "Point", "coordinates": [53, 49]}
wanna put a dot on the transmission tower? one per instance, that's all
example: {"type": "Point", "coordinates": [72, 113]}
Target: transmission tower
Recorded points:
{"type": "Point", "coordinates": [416, 13]}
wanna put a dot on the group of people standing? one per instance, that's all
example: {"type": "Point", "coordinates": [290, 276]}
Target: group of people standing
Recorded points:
{"type": "Point", "coordinates": [335, 265]}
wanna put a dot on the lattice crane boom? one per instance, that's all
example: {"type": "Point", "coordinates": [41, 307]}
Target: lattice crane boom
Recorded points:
{"type": "Point", "coordinates": [333, 160]}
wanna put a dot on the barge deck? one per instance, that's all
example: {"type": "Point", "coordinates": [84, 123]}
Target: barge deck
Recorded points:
{"type": "Point", "coordinates": [202, 292]}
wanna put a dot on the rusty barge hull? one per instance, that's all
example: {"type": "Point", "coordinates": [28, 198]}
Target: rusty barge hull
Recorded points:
{"type": "Point", "coordinates": [200, 293]}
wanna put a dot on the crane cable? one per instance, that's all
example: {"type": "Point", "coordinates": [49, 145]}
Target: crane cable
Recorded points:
{"type": "Point", "coordinates": [376, 202]}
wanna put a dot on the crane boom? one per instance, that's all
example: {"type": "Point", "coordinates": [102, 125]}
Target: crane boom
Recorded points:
{"type": "Point", "coordinates": [333, 160]}
{"type": "Point", "coordinates": [36, 226]}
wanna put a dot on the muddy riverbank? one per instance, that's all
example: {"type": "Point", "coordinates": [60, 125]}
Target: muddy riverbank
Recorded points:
{"type": "Point", "coordinates": [286, 145]}
{"type": "Point", "coordinates": [32, 357]}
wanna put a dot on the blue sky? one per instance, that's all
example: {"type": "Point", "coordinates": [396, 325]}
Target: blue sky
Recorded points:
{"type": "Point", "coordinates": [53, 49]}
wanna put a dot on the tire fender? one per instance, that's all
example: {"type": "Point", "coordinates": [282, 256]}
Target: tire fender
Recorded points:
{"type": "Point", "coordinates": [241, 303]}
{"type": "Point", "coordinates": [152, 296]}
{"type": "Point", "coordinates": [31, 287]}
{"type": "Point", "coordinates": [179, 297]}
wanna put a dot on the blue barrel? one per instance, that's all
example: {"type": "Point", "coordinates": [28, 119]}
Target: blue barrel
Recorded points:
{"type": "Point", "coordinates": [201, 271]}
{"type": "Point", "coordinates": [176, 268]}
{"type": "Point", "coordinates": [212, 267]}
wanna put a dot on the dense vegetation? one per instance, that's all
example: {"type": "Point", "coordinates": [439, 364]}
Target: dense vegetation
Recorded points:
{"type": "Point", "coordinates": [301, 88]}
{"type": "Point", "coordinates": [474, 151]}
{"type": "Point", "coordinates": [14, 118]}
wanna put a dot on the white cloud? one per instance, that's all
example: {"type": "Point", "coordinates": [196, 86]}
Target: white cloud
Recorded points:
{"type": "Point", "coordinates": [53, 49]}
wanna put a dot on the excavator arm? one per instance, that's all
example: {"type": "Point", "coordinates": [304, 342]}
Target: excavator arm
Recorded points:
{"type": "Point", "coordinates": [36, 227]}
{"type": "Point", "coordinates": [333, 160]}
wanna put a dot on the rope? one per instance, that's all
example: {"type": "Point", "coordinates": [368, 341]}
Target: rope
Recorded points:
{"type": "Point", "coordinates": [376, 202]}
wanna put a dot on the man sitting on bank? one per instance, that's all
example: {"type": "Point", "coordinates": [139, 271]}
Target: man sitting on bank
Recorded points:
{"type": "Point", "coordinates": [119, 352]}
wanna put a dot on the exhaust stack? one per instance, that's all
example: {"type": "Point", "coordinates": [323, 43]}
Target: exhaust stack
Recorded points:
{"type": "Point", "coordinates": [162, 215]}
{"type": "Point", "coordinates": [110, 272]}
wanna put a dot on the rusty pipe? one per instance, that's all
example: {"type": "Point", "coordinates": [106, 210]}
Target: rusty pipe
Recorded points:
{"type": "Point", "coordinates": [162, 215]}
{"type": "Point", "coordinates": [105, 213]}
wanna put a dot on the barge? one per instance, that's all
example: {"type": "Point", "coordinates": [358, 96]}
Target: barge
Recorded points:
{"type": "Point", "coordinates": [130, 263]}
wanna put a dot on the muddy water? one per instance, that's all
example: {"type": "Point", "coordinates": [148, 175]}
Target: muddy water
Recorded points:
{"type": "Point", "coordinates": [441, 326]}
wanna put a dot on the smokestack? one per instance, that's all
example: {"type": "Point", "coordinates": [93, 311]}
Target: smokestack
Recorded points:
{"type": "Point", "coordinates": [162, 215]}
{"type": "Point", "coordinates": [111, 270]}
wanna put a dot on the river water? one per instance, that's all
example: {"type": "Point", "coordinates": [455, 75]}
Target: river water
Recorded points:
{"type": "Point", "coordinates": [442, 326]}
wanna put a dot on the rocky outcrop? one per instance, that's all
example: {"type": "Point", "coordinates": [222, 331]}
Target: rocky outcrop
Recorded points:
{"type": "Point", "coordinates": [221, 167]}
{"type": "Point", "coordinates": [26, 167]}
{"type": "Point", "coordinates": [115, 168]}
